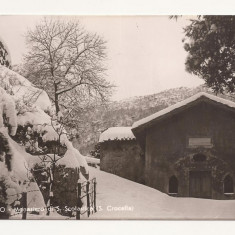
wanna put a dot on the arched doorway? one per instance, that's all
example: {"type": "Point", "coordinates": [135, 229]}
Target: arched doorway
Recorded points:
{"type": "Point", "coordinates": [200, 184]}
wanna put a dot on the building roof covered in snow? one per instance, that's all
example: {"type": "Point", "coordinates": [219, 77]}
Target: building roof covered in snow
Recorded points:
{"type": "Point", "coordinates": [117, 133]}
{"type": "Point", "coordinates": [171, 110]}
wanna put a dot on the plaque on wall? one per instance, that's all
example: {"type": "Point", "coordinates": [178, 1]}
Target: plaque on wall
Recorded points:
{"type": "Point", "coordinates": [200, 142]}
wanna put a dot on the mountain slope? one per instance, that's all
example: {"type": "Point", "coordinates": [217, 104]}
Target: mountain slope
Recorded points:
{"type": "Point", "coordinates": [127, 111]}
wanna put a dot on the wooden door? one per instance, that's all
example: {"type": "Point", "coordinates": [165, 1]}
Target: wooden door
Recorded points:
{"type": "Point", "coordinates": [200, 184]}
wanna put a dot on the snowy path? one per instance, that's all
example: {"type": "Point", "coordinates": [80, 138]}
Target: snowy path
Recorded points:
{"type": "Point", "coordinates": [114, 192]}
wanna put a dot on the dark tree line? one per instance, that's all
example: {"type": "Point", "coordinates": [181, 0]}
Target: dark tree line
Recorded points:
{"type": "Point", "coordinates": [210, 43]}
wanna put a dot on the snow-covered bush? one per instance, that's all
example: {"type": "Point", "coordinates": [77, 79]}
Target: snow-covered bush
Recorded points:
{"type": "Point", "coordinates": [56, 157]}
{"type": "Point", "coordinates": [14, 175]}
{"type": "Point", "coordinates": [65, 192]}
{"type": "Point", "coordinates": [50, 155]}
{"type": "Point", "coordinates": [4, 55]}
{"type": "Point", "coordinates": [64, 187]}
{"type": "Point", "coordinates": [57, 177]}
{"type": "Point", "coordinates": [11, 183]}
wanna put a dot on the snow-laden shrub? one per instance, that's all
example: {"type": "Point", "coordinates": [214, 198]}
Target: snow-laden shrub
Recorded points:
{"type": "Point", "coordinates": [42, 134]}
{"type": "Point", "coordinates": [14, 175]}
{"type": "Point", "coordinates": [4, 55]}
{"type": "Point", "coordinates": [46, 138]}
{"type": "Point", "coordinates": [65, 190]}
{"type": "Point", "coordinates": [64, 187]}
{"type": "Point", "coordinates": [57, 176]}
{"type": "Point", "coordinates": [10, 182]}
{"type": "Point", "coordinates": [7, 112]}
{"type": "Point", "coordinates": [26, 96]}
{"type": "Point", "coordinates": [36, 112]}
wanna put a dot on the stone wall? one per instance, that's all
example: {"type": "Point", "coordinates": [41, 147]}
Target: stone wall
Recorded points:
{"type": "Point", "coordinates": [123, 158]}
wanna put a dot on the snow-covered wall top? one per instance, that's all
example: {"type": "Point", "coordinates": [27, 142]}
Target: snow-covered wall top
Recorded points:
{"type": "Point", "coordinates": [117, 133]}
{"type": "Point", "coordinates": [181, 104]}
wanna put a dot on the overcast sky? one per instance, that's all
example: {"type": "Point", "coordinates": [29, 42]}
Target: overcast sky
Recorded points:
{"type": "Point", "coordinates": [145, 53]}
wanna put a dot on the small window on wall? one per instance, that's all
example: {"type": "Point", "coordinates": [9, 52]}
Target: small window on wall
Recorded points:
{"type": "Point", "coordinates": [173, 185]}
{"type": "Point", "coordinates": [228, 185]}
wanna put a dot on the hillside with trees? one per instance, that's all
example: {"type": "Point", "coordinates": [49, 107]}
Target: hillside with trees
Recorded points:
{"type": "Point", "coordinates": [125, 113]}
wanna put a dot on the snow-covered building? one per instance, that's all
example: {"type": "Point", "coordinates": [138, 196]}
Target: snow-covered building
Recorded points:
{"type": "Point", "coordinates": [188, 148]}
{"type": "Point", "coordinates": [120, 154]}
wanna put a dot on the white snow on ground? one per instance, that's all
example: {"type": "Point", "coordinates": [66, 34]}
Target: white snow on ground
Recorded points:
{"type": "Point", "coordinates": [53, 216]}
{"type": "Point", "coordinates": [92, 160]}
{"type": "Point", "coordinates": [117, 133]}
{"type": "Point", "coordinates": [181, 104]}
{"type": "Point", "coordinates": [148, 203]}
{"type": "Point", "coordinates": [34, 197]}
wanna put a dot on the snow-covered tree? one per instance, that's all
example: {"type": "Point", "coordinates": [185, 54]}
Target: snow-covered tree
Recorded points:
{"type": "Point", "coordinates": [67, 62]}
{"type": "Point", "coordinates": [210, 44]}
{"type": "Point", "coordinates": [40, 136]}
{"type": "Point", "coordinates": [4, 55]}
{"type": "Point", "coordinates": [57, 162]}
{"type": "Point", "coordinates": [8, 180]}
